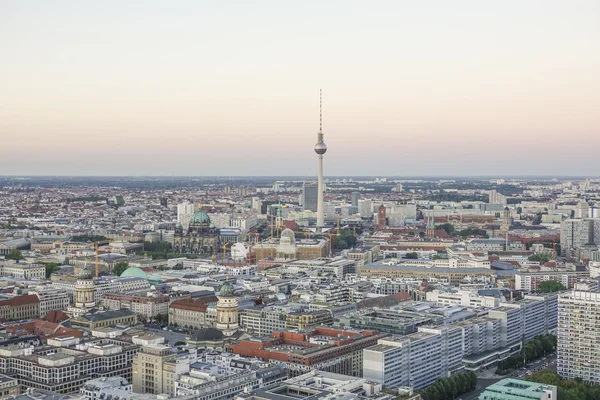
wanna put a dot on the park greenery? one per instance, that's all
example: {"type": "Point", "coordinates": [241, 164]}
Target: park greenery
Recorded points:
{"type": "Point", "coordinates": [450, 230]}
{"type": "Point", "coordinates": [568, 389]}
{"type": "Point", "coordinates": [120, 267]}
{"type": "Point", "coordinates": [345, 240]}
{"type": "Point", "coordinates": [541, 257]}
{"type": "Point", "coordinates": [50, 268]}
{"type": "Point", "coordinates": [550, 287]}
{"type": "Point", "coordinates": [14, 254]}
{"type": "Point", "coordinates": [88, 238]}
{"type": "Point", "coordinates": [449, 388]}
{"type": "Point", "coordinates": [411, 256]}
{"type": "Point", "coordinates": [536, 348]}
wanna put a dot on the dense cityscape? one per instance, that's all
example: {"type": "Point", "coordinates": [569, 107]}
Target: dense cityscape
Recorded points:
{"type": "Point", "coordinates": [315, 200]}
{"type": "Point", "coordinates": [214, 288]}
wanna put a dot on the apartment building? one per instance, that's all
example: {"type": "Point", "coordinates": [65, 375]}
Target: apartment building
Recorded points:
{"type": "Point", "coordinates": [578, 353]}
{"type": "Point", "coordinates": [100, 388]}
{"type": "Point", "coordinates": [530, 280]}
{"type": "Point", "coordinates": [52, 299]}
{"type": "Point", "coordinates": [415, 360]}
{"type": "Point", "coordinates": [308, 319]}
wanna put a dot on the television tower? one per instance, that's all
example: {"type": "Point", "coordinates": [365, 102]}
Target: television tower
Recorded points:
{"type": "Point", "coordinates": [320, 149]}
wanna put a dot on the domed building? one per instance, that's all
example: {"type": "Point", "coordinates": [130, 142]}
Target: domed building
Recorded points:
{"type": "Point", "coordinates": [201, 236]}
{"type": "Point", "coordinates": [286, 249]}
{"type": "Point", "coordinates": [227, 310]}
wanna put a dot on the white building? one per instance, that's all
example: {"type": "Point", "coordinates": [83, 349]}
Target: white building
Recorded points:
{"type": "Point", "coordinates": [577, 335]}
{"type": "Point", "coordinates": [106, 387]}
{"type": "Point", "coordinates": [22, 270]}
{"type": "Point", "coordinates": [415, 360]}
{"type": "Point", "coordinates": [184, 213]}
{"type": "Point", "coordinates": [52, 299]}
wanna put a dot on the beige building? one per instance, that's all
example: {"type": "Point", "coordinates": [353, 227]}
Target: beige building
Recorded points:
{"type": "Point", "coordinates": [9, 386]}
{"type": "Point", "coordinates": [288, 248]}
{"type": "Point", "coordinates": [20, 307]}
{"type": "Point", "coordinates": [102, 319]}
{"type": "Point", "coordinates": [22, 270]}
{"type": "Point", "coordinates": [306, 320]}
{"type": "Point", "coordinates": [148, 367]}
{"type": "Point", "coordinates": [188, 313]}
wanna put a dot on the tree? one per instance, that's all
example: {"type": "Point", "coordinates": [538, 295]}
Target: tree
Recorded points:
{"type": "Point", "coordinates": [178, 266]}
{"type": "Point", "coordinates": [550, 287]}
{"type": "Point", "coordinates": [179, 343]}
{"type": "Point", "coordinates": [14, 254]}
{"type": "Point", "coordinates": [541, 257]}
{"type": "Point", "coordinates": [448, 227]}
{"type": "Point", "coordinates": [120, 267]}
{"type": "Point", "coordinates": [411, 256]}
{"type": "Point", "coordinates": [50, 268]}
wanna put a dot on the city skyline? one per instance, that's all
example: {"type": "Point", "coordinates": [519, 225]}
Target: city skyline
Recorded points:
{"type": "Point", "coordinates": [230, 89]}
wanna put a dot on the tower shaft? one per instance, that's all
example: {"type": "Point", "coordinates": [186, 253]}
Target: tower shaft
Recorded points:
{"type": "Point", "coordinates": [320, 211]}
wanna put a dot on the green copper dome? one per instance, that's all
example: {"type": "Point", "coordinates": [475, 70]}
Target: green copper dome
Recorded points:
{"type": "Point", "coordinates": [199, 217]}
{"type": "Point", "coordinates": [227, 290]}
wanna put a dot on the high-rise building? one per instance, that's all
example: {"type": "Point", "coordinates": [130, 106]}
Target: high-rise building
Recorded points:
{"type": "Point", "coordinates": [184, 213]}
{"type": "Point", "coordinates": [355, 198]}
{"type": "Point", "coordinates": [578, 353]}
{"type": "Point", "coordinates": [257, 204]}
{"type": "Point", "coordinates": [310, 196]}
{"type": "Point", "coordinates": [320, 149]}
{"type": "Point", "coordinates": [579, 232]}
{"type": "Point", "coordinates": [496, 198]}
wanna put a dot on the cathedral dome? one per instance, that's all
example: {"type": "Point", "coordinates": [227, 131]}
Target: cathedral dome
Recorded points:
{"type": "Point", "coordinates": [200, 217]}
{"type": "Point", "coordinates": [288, 233]}
{"type": "Point", "coordinates": [227, 290]}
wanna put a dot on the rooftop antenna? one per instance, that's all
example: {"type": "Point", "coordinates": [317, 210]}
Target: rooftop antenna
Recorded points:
{"type": "Point", "coordinates": [321, 111]}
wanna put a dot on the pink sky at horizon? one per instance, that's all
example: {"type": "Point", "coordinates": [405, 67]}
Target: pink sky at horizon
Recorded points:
{"type": "Point", "coordinates": [231, 88]}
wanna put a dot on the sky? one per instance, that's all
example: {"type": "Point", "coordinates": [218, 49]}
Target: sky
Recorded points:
{"type": "Point", "coordinates": [219, 88]}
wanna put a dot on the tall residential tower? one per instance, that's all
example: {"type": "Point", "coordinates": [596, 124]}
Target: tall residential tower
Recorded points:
{"type": "Point", "coordinates": [320, 149]}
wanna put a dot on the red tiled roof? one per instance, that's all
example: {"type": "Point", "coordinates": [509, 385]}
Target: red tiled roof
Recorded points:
{"type": "Point", "coordinates": [20, 300]}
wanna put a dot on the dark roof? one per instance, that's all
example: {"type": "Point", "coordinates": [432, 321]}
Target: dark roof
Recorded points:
{"type": "Point", "coordinates": [206, 334]}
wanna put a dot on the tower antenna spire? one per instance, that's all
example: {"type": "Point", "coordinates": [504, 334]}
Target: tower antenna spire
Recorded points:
{"type": "Point", "coordinates": [320, 110]}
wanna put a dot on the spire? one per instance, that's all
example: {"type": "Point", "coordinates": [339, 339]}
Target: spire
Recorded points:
{"type": "Point", "coordinates": [321, 111]}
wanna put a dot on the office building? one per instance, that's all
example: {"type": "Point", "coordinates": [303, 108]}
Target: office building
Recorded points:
{"type": "Point", "coordinates": [310, 196]}
{"type": "Point", "coordinates": [578, 352]}
{"type": "Point", "coordinates": [332, 350]}
{"type": "Point", "coordinates": [52, 299]}
{"type": "Point", "coordinates": [147, 370]}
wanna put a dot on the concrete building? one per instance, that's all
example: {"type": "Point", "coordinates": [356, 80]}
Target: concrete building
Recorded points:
{"type": "Point", "coordinates": [101, 388]}
{"type": "Point", "coordinates": [309, 197]}
{"type": "Point", "coordinates": [516, 389]}
{"type": "Point", "coordinates": [415, 360]}
{"type": "Point", "coordinates": [103, 319]}
{"type": "Point", "coordinates": [576, 233]}
{"type": "Point", "coordinates": [578, 353]}
{"type": "Point", "coordinates": [147, 370]}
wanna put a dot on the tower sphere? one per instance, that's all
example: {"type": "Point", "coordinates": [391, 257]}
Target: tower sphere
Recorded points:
{"type": "Point", "coordinates": [320, 148]}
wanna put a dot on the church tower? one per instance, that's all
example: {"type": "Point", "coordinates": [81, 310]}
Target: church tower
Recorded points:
{"type": "Point", "coordinates": [506, 220]}
{"type": "Point", "coordinates": [430, 227]}
{"type": "Point", "coordinates": [381, 218]}
{"type": "Point", "coordinates": [227, 310]}
{"type": "Point", "coordinates": [85, 291]}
